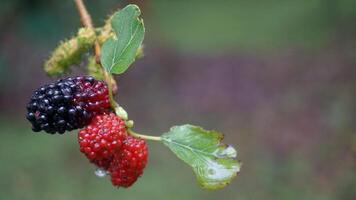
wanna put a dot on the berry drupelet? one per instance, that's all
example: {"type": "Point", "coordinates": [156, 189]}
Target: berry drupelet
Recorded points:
{"type": "Point", "coordinates": [67, 104]}
{"type": "Point", "coordinates": [102, 138]}
{"type": "Point", "coordinates": [128, 165]}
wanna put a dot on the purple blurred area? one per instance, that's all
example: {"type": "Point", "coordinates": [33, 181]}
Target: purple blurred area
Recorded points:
{"type": "Point", "coordinates": [290, 109]}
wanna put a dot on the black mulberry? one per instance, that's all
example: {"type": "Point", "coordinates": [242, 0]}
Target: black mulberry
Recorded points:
{"type": "Point", "coordinates": [67, 104]}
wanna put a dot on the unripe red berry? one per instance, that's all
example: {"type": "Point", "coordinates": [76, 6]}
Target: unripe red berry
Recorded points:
{"type": "Point", "coordinates": [102, 139]}
{"type": "Point", "coordinates": [128, 164]}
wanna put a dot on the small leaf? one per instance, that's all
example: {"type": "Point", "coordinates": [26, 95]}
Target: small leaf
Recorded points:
{"type": "Point", "coordinates": [214, 164]}
{"type": "Point", "coordinates": [120, 52]}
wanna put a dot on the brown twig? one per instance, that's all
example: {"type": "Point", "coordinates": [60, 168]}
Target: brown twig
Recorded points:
{"type": "Point", "coordinates": [87, 22]}
{"type": "Point", "coordinates": [85, 18]}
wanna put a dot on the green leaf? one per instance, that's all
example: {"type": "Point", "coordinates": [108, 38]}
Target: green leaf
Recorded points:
{"type": "Point", "coordinates": [120, 52]}
{"type": "Point", "coordinates": [214, 164]}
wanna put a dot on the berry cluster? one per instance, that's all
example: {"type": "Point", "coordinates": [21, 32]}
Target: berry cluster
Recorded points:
{"type": "Point", "coordinates": [106, 144]}
{"type": "Point", "coordinates": [67, 104]}
{"type": "Point", "coordinates": [82, 101]}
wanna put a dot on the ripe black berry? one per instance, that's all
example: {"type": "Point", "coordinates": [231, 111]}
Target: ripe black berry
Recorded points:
{"type": "Point", "coordinates": [67, 104]}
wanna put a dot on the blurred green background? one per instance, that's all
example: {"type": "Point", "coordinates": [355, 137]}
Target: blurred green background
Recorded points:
{"type": "Point", "coordinates": [277, 77]}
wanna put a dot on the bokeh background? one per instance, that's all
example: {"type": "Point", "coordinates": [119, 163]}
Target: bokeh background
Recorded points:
{"type": "Point", "coordinates": [278, 78]}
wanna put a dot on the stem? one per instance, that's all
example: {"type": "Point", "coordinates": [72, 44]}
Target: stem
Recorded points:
{"type": "Point", "coordinates": [87, 22]}
{"type": "Point", "coordinates": [85, 18]}
{"type": "Point", "coordinates": [107, 79]}
{"type": "Point", "coordinates": [146, 137]}
{"type": "Point", "coordinates": [84, 15]}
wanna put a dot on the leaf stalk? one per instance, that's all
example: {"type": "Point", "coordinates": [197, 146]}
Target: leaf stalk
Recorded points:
{"type": "Point", "coordinates": [146, 137]}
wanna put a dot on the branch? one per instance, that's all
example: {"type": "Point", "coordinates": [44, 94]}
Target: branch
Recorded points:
{"type": "Point", "coordinates": [84, 15]}
{"type": "Point", "coordinates": [87, 22]}
{"type": "Point", "coordinates": [85, 18]}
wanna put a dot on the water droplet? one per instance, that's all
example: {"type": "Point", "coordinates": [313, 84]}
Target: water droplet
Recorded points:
{"type": "Point", "coordinates": [211, 171]}
{"type": "Point", "coordinates": [229, 152]}
{"type": "Point", "coordinates": [100, 172]}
